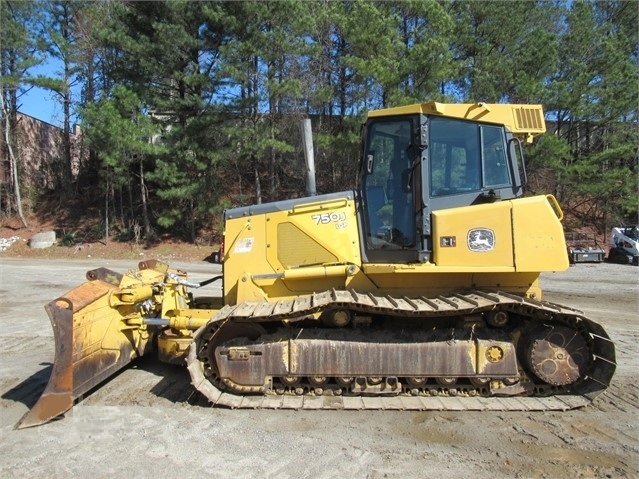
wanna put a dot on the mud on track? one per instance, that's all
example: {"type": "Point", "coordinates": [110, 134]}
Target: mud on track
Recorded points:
{"type": "Point", "coordinates": [148, 420]}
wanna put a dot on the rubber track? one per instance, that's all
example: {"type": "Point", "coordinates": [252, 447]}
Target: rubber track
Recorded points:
{"type": "Point", "coordinates": [593, 384]}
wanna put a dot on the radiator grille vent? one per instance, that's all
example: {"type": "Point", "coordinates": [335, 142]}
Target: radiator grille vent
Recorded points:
{"type": "Point", "coordinates": [529, 119]}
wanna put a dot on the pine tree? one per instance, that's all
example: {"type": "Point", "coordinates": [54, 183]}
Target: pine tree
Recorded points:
{"type": "Point", "coordinates": [594, 105]}
{"type": "Point", "coordinates": [505, 50]}
{"type": "Point", "coordinates": [18, 55]}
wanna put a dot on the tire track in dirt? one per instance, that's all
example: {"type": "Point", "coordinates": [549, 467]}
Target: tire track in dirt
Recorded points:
{"type": "Point", "coordinates": [618, 397]}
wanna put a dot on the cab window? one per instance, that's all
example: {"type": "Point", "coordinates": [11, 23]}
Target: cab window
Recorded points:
{"type": "Point", "coordinates": [496, 172]}
{"type": "Point", "coordinates": [388, 185]}
{"type": "Point", "coordinates": [454, 157]}
{"type": "Point", "coordinates": [466, 157]}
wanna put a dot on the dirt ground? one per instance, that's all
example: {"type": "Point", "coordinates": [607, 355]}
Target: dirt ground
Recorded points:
{"type": "Point", "coordinates": [145, 421]}
{"type": "Point", "coordinates": [168, 250]}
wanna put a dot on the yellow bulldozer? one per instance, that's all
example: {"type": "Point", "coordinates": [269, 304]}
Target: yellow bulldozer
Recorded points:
{"type": "Point", "coordinates": [417, 290]}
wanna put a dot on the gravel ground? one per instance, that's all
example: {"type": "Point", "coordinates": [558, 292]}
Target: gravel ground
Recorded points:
{"type": "Point", "coordinates": [144, 422]}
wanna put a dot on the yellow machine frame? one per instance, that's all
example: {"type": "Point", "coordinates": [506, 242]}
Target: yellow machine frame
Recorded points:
{"type": "Point", "coordinates": [298, 247]}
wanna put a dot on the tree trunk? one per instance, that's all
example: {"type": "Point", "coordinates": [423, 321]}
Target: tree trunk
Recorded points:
{"type": "Point", "coordinates": [192, 219]}
{"type": "Point", "coordinates": [106, 209]}
{"type": "Point", "coordinates": [13, 164]}
{"type": "Point", "coordinates": [145, 212]}
{"type": "Point", "coordinates": [67, 171]}
{"type": "Point", "coordinates": [258, 185]}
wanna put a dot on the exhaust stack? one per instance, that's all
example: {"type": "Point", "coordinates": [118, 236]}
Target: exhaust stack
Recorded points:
{"type": "Point", "coordinates": [309, 156]}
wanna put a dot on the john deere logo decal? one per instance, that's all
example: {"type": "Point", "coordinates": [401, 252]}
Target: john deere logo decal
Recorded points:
{"type": "Point", "coordinates": [481, 239]}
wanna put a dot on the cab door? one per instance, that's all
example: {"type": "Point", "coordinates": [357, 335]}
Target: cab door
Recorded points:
{"type": "Point", "coordinates": [390, 190]}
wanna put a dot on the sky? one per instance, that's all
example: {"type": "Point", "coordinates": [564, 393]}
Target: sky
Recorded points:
{"type": "Point", "coordinates": [40, 103]}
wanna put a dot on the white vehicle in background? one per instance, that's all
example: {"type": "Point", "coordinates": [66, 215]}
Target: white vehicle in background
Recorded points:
{"type": "Point", "coordinates": [624, 245]}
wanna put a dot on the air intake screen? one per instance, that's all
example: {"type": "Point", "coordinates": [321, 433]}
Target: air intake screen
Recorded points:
{"type": "Point", "coordinates": [296, 248]}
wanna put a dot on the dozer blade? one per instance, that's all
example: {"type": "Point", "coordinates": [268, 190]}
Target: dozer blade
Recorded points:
{"type": "Point", "coordinates": [94, 338]}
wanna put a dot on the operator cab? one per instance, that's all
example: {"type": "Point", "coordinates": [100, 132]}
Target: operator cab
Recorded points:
{"type": "Point", "coordinates": [414, 164]}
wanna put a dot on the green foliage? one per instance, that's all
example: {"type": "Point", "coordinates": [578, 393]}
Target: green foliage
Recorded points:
{"type": "Point", "coordinates": [506, 50]}
{"type": "Point", "coordinates": [191, 107]}
{"type": "Point", "coordinates": [68, 238]}
{"type": "Point", "coordinates": [20, 48]}
{"type": "Point", "coordinates": [548, 151]}
{"type": "Point", "coordinates": [119, 132]}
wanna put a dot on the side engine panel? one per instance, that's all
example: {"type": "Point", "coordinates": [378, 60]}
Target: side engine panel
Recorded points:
{"type": "Point", "coordinates": [283, 248]}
